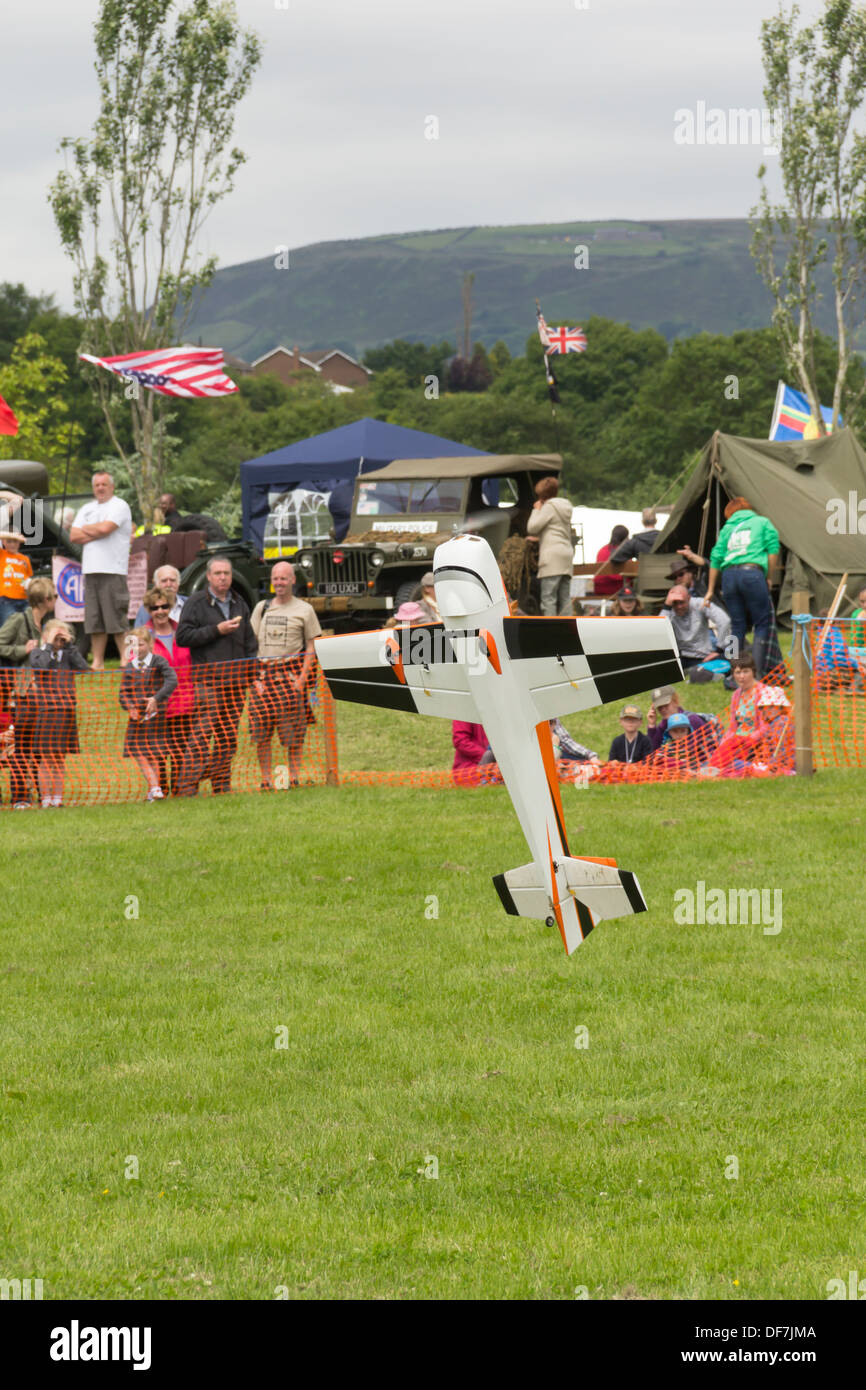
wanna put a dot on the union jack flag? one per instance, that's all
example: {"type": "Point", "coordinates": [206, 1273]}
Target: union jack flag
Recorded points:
{"type": "Point", "coordinates": [566, 339]}
{"type": "Point", "coordinates": [176, 371]}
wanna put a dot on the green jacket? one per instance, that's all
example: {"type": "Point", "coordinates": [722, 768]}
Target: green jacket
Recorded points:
{"type": "Point", "coordinates": [745, 539]}
{"type": "Point", "coordinates": [15, 633]}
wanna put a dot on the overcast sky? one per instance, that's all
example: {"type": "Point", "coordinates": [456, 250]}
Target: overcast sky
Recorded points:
{"type": "Point", "coordinates": [547, 112]}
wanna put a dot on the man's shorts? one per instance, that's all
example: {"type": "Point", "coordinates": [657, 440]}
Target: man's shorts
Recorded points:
{"type": "Point", "coordinates": [281, 709]}
{"type": "Point", "coordinates": [106, 603]}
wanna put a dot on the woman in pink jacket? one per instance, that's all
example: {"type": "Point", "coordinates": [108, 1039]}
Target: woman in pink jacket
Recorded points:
{"type": "Point", "coordinates": [158, 603]}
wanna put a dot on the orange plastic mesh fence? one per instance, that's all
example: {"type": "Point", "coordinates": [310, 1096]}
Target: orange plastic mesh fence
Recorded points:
{"type": "Point", "coordinates": [83, 736]}
{"type": "Point", "coordinates": [88, 737]}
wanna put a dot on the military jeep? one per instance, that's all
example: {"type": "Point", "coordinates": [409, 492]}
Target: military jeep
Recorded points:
{"type": "Point", "coordinates": [400, 514]}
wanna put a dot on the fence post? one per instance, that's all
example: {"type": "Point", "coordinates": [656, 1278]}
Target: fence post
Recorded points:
{"type": "Point", "coordinates": [803, 760]}
{"type": "Point", "coordinates": [329, 717]}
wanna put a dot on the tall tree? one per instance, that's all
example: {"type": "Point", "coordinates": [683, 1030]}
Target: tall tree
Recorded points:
{"type": "Point", "coordinates": [32, 381]}
{"type": "Point", "coordinates": [132, 199]}
{"type": "Point", "coordinates": [815, 81]}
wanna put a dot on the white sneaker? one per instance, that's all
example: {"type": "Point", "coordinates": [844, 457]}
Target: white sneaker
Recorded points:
{"type": "Point", "coordinates": [47, 802]}
{"type": "Point", "coordinates": [156, 794]}
{"type": "Point", "coordinates": [21, 806]}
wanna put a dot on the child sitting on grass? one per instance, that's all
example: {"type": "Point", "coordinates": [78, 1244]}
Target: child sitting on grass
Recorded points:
{"type": "Point", "coordinates": [632, 745]}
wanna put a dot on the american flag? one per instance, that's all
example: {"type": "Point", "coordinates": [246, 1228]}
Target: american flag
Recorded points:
{"type": "Point", "coordinates": [566, 339]}
{"type": "Point", "coordinates": [176, 371]}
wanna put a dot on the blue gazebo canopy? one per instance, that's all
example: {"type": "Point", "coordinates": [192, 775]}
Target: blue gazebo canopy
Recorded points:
{"type": "Point", "coordinates": [330, 462]}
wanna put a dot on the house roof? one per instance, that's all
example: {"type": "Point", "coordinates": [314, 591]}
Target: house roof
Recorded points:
{"type": "Point", "coordinates": [313, 358]}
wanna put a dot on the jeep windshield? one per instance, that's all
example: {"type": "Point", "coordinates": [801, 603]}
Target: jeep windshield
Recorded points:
{"type": "Point", "coordinates": [418, 497]}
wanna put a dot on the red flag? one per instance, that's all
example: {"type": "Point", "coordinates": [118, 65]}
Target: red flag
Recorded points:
{"type": "Point", "coordinates": [8, 423]}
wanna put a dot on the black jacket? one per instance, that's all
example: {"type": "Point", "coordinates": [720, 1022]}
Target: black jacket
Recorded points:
{"type": "Point", "coordinates": [197, 521]}
{"type": "Point", "coordinates": [640, 544]}
{"type": "Point", "coordinates": [137, 685]}
{"type": "Point", "coordinates": [56, 689]}
{"type": "Point", "coordinates": [197, 630]}
{"type": "Point", "coordinates": [619, 750]}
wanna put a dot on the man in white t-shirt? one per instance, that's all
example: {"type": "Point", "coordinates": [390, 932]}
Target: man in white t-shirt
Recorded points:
{"type": "Point", "coordinates": [103, 528]}
{"type": "Point", "coordinates": [286, 628]}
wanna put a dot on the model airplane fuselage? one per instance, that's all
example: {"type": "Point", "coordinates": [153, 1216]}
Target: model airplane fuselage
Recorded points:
{"type": "Point", "coordinates": [512, 675]}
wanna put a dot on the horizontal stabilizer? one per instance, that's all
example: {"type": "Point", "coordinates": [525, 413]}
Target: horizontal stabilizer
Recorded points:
{"type": "Point", "coordinates": [588, 891]}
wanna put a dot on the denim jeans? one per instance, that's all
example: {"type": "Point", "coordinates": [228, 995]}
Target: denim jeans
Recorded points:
{"type": "Point", "coordinates": [556, 596]}
{"type": "Point", "coordinates": [747, 599]}
{"type": "Point", "coordinates": [8, 606]}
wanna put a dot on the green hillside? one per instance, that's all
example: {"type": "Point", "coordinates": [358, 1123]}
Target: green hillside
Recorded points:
{"type": "Point", "coordinates": [678, 277]}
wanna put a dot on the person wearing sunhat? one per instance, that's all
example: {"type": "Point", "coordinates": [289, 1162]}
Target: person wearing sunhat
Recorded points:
{"type": "Point", "coordinates": [632, 745]}
{"type": "Point", "coordinates": [16, 572]}
{"type": "Point", "coordinates": [685, 569]}
{"type": "Point", "coordinates": [746, 557]}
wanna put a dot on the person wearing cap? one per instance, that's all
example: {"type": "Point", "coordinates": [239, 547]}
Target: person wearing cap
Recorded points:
{"type": "Point", "coordinates": [642, 542]}
{"type": "Point", "coordinates": [690, 619]}
{"type": "Point", "coordinates": [550, 524]}
{"type": "Point", "coordinates": [632, 745]}
{"type": "Point", "coordinates": [681, 746]}
{"type": "Point", "coordinates": [686, 570]}
{"type": "Point", "coordinates": [746, 555]}
{"type": "Point", "coordinates": [16, 572]}
{"type": "Point", "coordinates": [427, 601]}
{"type": "Point", "coordinates": [627, 604]}
{"type": "Point", "coordinates": [665, 704]}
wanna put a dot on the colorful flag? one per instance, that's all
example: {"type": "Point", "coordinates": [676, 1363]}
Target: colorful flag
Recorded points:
{"type": "Point", "coordinates": [542, 326]}
{"type": "Point", "coordinates": [176, 371]}
{"type": "Point", "coordinates": [792, 418]}
{"type": "Point", "coordinates": [566, 340]}
{"type": "Point", "coordinates": [8, 423]}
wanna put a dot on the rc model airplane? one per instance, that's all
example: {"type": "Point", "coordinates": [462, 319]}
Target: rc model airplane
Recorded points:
{"type": "Point", "coordinates": [512, 675]}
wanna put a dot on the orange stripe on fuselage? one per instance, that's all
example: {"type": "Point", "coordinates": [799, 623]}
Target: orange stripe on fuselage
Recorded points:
{"type": "Point", "coordinates": [591, 859]}
{"type": "Point", "coordinates": [553, 896]}
{"type": "Point", "coordinates": [545, 743]}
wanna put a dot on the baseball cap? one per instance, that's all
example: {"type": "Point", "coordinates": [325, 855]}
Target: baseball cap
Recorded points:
{"type": "Point", "coordinates": [663, 695]}
{"type": "Point", "coordinates": [679, 721]}
{"type": "Point", "coordinates": [626, 592]}
{"type": "Point", "coordinates": [428, 580]}
{"type": "Point", "coordinates": [630, 712]}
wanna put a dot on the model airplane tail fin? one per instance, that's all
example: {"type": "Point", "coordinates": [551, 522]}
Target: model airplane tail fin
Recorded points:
{"type": "Point", "coordinates": [582, 893]}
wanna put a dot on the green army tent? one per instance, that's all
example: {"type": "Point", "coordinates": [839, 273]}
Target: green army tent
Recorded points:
{"type": "Point", "coordinates": [809, 489]}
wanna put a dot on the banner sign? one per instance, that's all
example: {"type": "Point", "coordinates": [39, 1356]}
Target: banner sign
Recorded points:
{"type": "Point", "coordinates": [69, 583]}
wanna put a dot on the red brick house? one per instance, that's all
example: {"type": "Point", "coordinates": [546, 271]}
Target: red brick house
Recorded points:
{"type": "Point", "coordinates": [330, 364]}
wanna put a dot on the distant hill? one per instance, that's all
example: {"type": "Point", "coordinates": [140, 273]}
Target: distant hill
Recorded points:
{"type": "Point", "coordinates": [678, 277]}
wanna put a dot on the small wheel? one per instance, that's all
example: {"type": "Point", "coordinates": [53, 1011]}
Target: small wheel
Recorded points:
{"type": "Point", "coordinates": [550, 921]}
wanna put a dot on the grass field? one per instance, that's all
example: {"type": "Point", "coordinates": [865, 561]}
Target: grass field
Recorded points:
{"type": "Point", "coordinates": [250, 1003]}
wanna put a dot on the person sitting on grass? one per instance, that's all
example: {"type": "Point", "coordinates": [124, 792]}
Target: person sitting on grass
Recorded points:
{"type": "Point", "coordinates": [777, 743]}
{"type": "Point", "coordinates": [568, 748]}
{"type": "Point", "coordinates": [632, 745]}
{"type": "Point", "coordinates": [627, 604]}
{"type": "Point", "coordinates": [55, 663]}
{"type": "Point", "coordinates": [471, 748]}
{"type": "Point", "coordinates": [145, 687]}
{"type": "Point", "coordinates": [836, 663]}
{"type": "Point", "coordinates": [665, 702]}
{"type": "Point", "coordinates": [860, 611]}
{"type": "Point", "coordinates": [746, 724]}
{"type": "Point", "coordinates": [681, 746]}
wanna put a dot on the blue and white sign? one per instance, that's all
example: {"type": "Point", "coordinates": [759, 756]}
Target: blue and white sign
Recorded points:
{"type": "Point", "coordinates": [69, 583]}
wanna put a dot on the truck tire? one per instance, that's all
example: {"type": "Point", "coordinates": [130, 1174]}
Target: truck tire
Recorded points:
{"type": "Point", "coordinates": [408, 592]}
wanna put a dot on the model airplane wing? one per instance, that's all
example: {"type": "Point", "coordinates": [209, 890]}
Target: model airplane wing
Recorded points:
{"type": "Point", "coordinates": [414, 668]}
{"type": "Point", "coordinates": [572, 664]}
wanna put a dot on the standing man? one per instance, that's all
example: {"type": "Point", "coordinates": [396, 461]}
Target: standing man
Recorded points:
{"type": "Point", "coordinates": [215, 625]}
{"type": "Point", "coordinates": [104, 528]}
{"type": "Point", "coordinates": [550, 524]}
{"type": "Point", "coordinates": [285, 628]}
{"type": "Point", "coordinates": [747, 557]}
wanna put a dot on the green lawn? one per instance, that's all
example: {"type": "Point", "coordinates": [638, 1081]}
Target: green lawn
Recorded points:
{"type": "Point", "coordinates": [410, 1038]}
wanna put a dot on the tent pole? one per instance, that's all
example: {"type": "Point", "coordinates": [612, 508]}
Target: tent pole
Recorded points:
{"type": "Point", "coordinates": [803, 760]}
{"type": "Point", "coordinates": [714, 466]}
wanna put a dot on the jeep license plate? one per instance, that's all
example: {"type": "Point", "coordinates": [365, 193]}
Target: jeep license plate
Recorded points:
{"type": "Point", "coordinates": [349, 587]}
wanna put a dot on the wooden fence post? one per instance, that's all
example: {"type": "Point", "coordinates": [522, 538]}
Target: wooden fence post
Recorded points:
{"type": "Point", "coordinates": [803, 760]}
